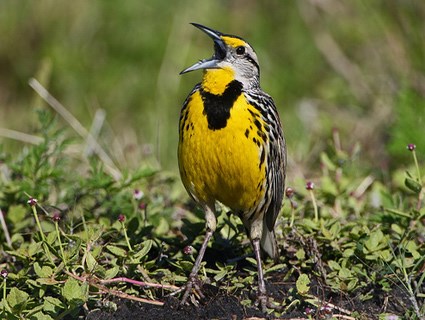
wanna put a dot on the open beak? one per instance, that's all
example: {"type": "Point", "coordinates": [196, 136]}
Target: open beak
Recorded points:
{"type": "Point", "coordinates": [219, 51]}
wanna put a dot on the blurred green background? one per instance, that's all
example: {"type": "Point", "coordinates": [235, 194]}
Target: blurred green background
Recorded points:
{"type": "Point", "coordinates": [356, 66]}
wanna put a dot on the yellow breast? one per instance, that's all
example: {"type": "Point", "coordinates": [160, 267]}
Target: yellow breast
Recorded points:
{"type": "Point", "coordinates": [226, 164]}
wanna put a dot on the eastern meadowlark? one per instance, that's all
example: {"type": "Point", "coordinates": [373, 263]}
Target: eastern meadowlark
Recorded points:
{"type": "Point", "coordinates": [231, 148]}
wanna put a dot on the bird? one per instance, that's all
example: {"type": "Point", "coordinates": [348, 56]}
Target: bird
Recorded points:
{"type": "Point", "coordinates": [232, 149]}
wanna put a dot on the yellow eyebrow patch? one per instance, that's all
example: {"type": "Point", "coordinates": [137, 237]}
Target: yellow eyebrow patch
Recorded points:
{"type": "Point", "coordinates": [233, 42]}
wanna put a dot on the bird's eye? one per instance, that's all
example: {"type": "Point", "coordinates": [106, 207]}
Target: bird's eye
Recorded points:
{"type": "Point", "coordinates": [240, 50]}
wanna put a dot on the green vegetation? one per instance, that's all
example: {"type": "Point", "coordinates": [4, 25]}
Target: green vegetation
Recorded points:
{"type": "Point", "coordinates": [86, 217]}
{"type": "Point", "coordinates": [72, 237]}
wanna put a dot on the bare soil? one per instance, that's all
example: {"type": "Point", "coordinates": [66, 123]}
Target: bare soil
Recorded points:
{"type": "Point", "coordinates": [219, 305]}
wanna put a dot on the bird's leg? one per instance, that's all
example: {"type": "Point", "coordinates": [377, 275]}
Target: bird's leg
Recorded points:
{"type": "Point", "coordinates": [191, 282]}
{"type": "Point", "coordinates": [211, 224]}
{"type": "Point", "coordinates": [262, 295]}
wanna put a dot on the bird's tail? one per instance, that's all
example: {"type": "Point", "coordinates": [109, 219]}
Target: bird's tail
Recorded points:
{"type": "Point", "coordinates": [268, 243]}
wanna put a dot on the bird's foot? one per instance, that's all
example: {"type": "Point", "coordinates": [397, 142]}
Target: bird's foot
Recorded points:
{"type": "Point", "coordinates": [193, 290]}
{"type": "Point", "coordinates": [263, 301]}
{"type": "Point", "coordinates": [266, 304]}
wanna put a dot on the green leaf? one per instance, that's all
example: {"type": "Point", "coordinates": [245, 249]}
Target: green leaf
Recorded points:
{"type": "Point", "coordinates": [308, 223]}
{"type": "Point", "coordinates": [73, 251]}
{"type": "Point", "coordinates": [386, 255]}
{"type": "Point", "coordinates": [52, 305]}
{"type": "Point", "coordinates": [185, 265]}
{"type": "Point", "coordinates": [324, 158]}
{"type": "Point", "coordinates": [220, 275]}
{"type": "Point", "coordinates": [179, 279]}
{"type": "Point", "coordinates": [334, 265]}
{"type": "Point", "coordinates": [90, 261]}
{"type": "Point", "coordinates": [375, 241]}
{"type": "Point", "coordinates": [348, 253]}
{"type": "Point", "coordinates": [251, 260]}
{"type": "Point", "coordinates": [412, 247]}
{"type": "Point", "coordinates": [117, 251]}
{"type": "Point", "coordinates": [413, 185]}
{"type": "Point", "coordinates": [371, 257]}
{"type": "Point", "coordinates": [300, 254]}
{"type": "Point", "coordinates": [352, 284]}
{"type": "Point", "coordinates": [93, 233]}
{"type": "Point", "coordinates": [397, 229]}
{"type": "Point", "coordinates": [32, 283]}
{"type": "Point", "coordinates": [16, 214]}
{"type": "Point", "coordinates": [146, 247]}
{"type": "Point", "coordinates": [335, 230]}
{"type": "Point", "coordinates": [37, 269]}
{"type": "Point", "coordinates": [279, 266]}
{"type": "Point", "coordinates": [74, 292]}
{"type": "Point", "coordinates": [398, 212]}
{"type": "Point", "coordinates": [40, 316]}
{"type": "Point", "coordinates": [303, 284]}
{"type": "Point", "coordinates": [328, 186]}
{"type": "Point", "coordinates": [42, 272]}
{"type": "Point", "coordinates": [17, 299]}
{"type": "Point", "coordinates": [96, 251]}
{"type": "Point", "coordinates": [328, 235]}
{"type": "Point", "coordinates": [47, 281]}
{"type": "Point", "coordinates": [163, 227]}
{"type": "Point", "coordinates": [35, 248]}
{"type": "Point", "coordinates": [112, 272]}
{"type": "Point", "coordinates": [344, 273]}
{"type": "Point", "coordinates": [51, 237]}
{"type": "Point", "coordinates": [17, 238]}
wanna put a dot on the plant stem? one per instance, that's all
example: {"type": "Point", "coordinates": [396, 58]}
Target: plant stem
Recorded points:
{"type": "Point", "coordinates": [4, 294]}
{"type": "Point", "coordinates": [60, 242]}
{"type": "Point", "coordinates": [140, 283]}
{"type": "Point", "coordinates": [126, 237]}
{"type": "Point", "coordinates": [291, 224]}
{"type": "Point", "coordinates": [417, 167]}
{"type": "Point", "coordinates": [43, 238]}
{"type": "Point", "coordinates": [418, 172]}
{"type": "Point", "coordinates": [34, 211]}
{"type": "Point", "coordinates": [316, 211]}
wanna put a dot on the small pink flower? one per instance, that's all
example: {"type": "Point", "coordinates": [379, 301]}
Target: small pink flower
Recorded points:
{"type": "Point", "coordinates": [56, 217]}
{"type": "Point", "coordinates": [326, 309]}
{"type": "Point", "coordinates": [309, 311]}
{"type": "Point", "coordinates": [188, 250]}
{"type": "Point", "coordinates": [137, 194]}
{"type": "Point", "coordinates": [4, 273]}
{"type": "Point", "coordinates": [289, 192]}
{"type": "Point", "coordinates": [411, 147]}
{"type": "Point", "coordinates": [309, 185]}
{"type": "Point", "coordinates": [121, 218]}
{"type": "Point", "coordinates": [32, 201]}
{"type": "Point", "coordinates": [142, 205]}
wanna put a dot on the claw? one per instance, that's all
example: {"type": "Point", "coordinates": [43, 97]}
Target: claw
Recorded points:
{"type": "Point", "coordinates": [262, 298]}
{"type": "Point", "coordinates": [192, 286]}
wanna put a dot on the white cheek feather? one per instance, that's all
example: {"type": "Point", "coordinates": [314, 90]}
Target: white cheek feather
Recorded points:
{"type": "Point", "coordinates": [247, 75]}
{"type": "Point", "coordinates": [244, 73]}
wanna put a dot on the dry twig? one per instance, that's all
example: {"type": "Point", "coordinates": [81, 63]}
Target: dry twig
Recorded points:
{"type": "Point", "coordinates": [99, 284]}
